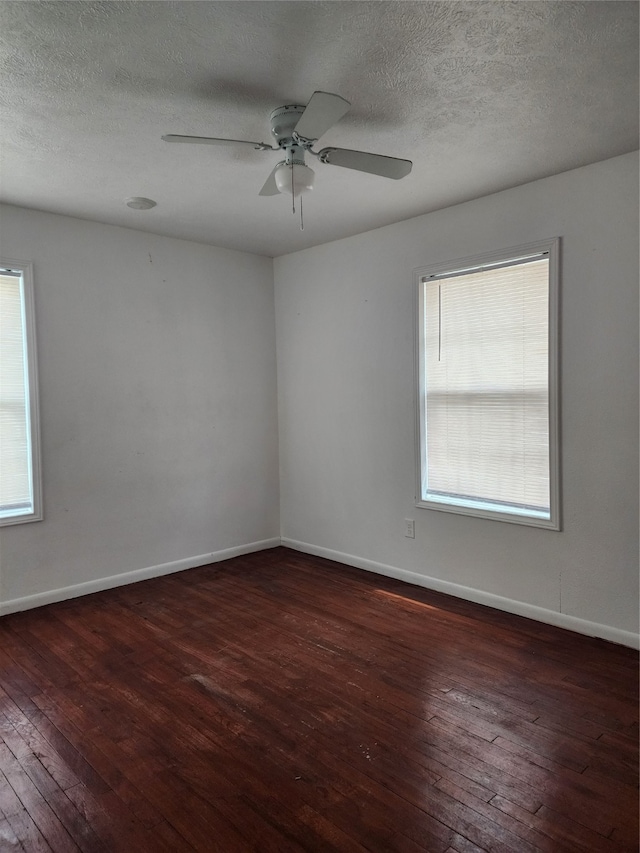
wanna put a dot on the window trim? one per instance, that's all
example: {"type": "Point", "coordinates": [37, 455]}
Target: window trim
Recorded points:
{"type": "Point", "coordinates": [25, 268]}
{"type": "Point", "coordinates": [551, 247]}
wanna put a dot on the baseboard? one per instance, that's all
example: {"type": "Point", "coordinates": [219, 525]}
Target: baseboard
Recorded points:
{"type": "Point", "coordinates": [51, 596]}
{"type": "Point", "coordinates": [519, 608]}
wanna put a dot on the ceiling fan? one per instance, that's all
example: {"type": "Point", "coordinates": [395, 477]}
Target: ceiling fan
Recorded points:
{"type": "Point", "coordinates": [296, 128]}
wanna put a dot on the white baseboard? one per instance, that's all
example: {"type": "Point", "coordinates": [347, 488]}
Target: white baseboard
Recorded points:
{"type": "Point", "coordinates": [520, 608]}
{"type": "Point", "coordinates": [53, 595]}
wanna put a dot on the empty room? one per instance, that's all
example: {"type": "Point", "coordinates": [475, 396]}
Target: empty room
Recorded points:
{"type": "Point", "coordinates": [319, 426]}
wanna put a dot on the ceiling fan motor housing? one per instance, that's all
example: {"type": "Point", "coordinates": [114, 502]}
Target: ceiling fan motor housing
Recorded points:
{"type": "Point", "coordinates": [283, 121]}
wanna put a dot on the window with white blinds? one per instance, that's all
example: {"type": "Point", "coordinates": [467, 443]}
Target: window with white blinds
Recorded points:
{"type": "Point", "coordinates": [487, 333]}
{"type": "Point", "coordinates": [19, 444]}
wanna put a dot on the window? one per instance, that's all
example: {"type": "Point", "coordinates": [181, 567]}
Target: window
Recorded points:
{"type": "Point", "coordinates": [20, 489]}
{"type": "Point", "coordinates": [487, 396]}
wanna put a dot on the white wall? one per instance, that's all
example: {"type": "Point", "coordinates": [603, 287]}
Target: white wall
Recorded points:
{"type": "Point", "coordinates": [158, 405]}
{"type": "Point", "coordinates": [158, 400]}
{"type": "Point", "coordinates": [345, 319]}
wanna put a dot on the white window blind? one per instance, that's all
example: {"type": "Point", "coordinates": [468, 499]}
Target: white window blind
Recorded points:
{"type": "Point", "coordinates": [19, 469]}
{"type": "Point", "coordinates": [485, 418]}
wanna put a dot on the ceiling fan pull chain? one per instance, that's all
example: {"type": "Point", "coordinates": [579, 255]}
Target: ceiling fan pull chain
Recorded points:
{"type": "Point", "coordinates": [293, 194]}
{"type": "Point", "coordinates": [301, 219]}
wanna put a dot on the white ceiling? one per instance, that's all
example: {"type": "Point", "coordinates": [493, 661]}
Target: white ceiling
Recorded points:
{"type": "Point", "coordinates": [480, 95]}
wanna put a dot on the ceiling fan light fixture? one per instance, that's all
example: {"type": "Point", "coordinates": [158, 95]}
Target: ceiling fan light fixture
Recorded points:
{"type": "Point", "coordinates": [294, 178]}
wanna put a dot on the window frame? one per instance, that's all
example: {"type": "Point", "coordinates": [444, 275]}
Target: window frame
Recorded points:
{"type": "Point", "coordinates": [551, 247]}
{"type": "Point", "coordinates": [25, 268]}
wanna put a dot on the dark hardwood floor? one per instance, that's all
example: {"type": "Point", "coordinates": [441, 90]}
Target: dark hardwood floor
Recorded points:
{"type": "Point", "coordinates": [280, 702]}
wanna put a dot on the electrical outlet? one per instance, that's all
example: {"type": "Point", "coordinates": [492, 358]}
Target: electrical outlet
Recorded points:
{"type": "Point", "coordinates": [410, 528]}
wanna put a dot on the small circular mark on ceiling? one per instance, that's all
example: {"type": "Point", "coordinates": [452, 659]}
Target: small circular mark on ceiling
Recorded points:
{"type": "Point", "coordinates": [139, 203]}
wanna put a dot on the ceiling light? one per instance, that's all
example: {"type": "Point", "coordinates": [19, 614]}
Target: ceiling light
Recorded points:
{"type": "Point", "coordinates": [138, 203]}
{"type": "Point", "coordinates": [294, 178]}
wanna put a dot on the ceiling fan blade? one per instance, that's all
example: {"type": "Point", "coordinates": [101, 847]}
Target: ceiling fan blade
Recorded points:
{"type": "Point", "coordinates": [361, 161]}
{"type": "Point", "coordinates": [270, 186]}
{"type": "Point", "coordinates": [321, 113]}
{"type": "Point", "coordinates": [210, 140]}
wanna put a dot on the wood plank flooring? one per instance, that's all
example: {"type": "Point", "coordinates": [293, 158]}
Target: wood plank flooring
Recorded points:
{"type": "Point", "coordinates": [280, 702]}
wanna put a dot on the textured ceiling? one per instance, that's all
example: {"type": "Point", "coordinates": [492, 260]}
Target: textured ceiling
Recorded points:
{"type": "Point", "coordinates": [480, 95]}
